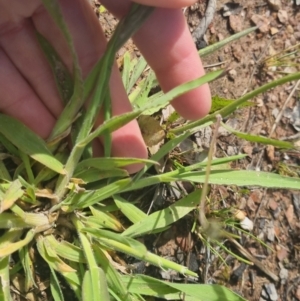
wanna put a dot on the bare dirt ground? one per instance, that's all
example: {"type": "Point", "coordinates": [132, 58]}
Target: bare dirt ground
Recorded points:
{"type": "Point", "coordinates": [275, 213]}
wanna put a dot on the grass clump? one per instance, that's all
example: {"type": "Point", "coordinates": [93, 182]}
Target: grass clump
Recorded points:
{"type": "Point", "coordinates": [61, 208]}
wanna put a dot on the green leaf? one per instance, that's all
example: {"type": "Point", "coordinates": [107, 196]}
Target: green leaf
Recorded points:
{"type": "Point", "coordinates": [13, 193]}
{"type": "Point", "coordinates": [242, 178]}
{"type": "Point", "coordinates": [141, 284]}
{"type": "Point", "coordinates": [108, 163]}
{"type": "Point", "coordinates": [218, 103]}
{"type": "Point", "coordinates": [165, 217]}
{"type": "Point", "coordinates": [62, 75]}
{"type": "Point", "coordinates": [4, 280]}
{"type": "Point", "coordinates": [133, 213]}
{"type": "Point", "coordinates": [212, 48]}
{"type": "Point", "coordinates": [136, 249]}
{"type": "Point", "coordinates": [112, 276]}
{"type": "Point", "coordinates": [55, 287]}
{"type": "Point", "coordinates": [260, 139]}
{"type": "Point", "coordinates": [28, 142]}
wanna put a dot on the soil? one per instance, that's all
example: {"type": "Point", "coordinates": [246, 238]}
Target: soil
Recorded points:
{"type": "Point", "coordinates": [275, 213]}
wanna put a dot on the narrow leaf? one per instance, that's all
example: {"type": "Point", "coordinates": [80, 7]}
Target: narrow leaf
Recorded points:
{"type": "Point", "coordinates": [28, 142]}
{"type": "Point", "coordinates": [165, 217]}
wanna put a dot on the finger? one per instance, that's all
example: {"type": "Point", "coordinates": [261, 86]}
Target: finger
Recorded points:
{"type": "Point", "coordinates": [126, 141]}
{"type": "Point", "coordinates": [90, 44]}
{"type": "Point", "coordinates": [21, 46]}
{"type": "Point", "coordinates": [18, 100]}
{"type": "Point", "coordinates": [168, 47]}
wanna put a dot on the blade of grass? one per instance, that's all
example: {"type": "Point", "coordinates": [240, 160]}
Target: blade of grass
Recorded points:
{"type": "Point", "coordinates": [27, 265]}
{"type": "Point", "coordinates": [133, 213]}
{"type": "Point", "coordinates": [112, 276]}
{"type": "Point", "coordinates": [13, 247]}
{"type": "Point", "coordinates": [4, 279]}
{"type": "Point", "coordinates": [165, 217]}
{"type": "Point", "coordinates": [212, 48]}
{"type": "Point", "coordinates": [13, 193]}
{"type": "Point", "coordinates": [124, 30]}
{"type": "Point", "coordinates": [236, 104]}
{"type": "Point", "coordinates": [72, 108]}
{"type": "Point", "coordinates": [260, 139]}
{"type": "Point", "coordinates": [136, 249]}
{"type": "Point", "coordinates": [92, 278]}
{"type": "Point", "coordinates": [62, 75]}
{"type": "Point", "coordinates": [202, 292]}
{"type": "Point", "coordinates": [28, 142]}
{"type": "Point", "coordinates": [55, 288]}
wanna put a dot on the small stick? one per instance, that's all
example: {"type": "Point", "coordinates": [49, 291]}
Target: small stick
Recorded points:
{"type": "Point", "coordinates": [202, 218]}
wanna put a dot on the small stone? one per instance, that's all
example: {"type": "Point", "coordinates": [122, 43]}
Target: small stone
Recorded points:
{"type": "Point", "coordinates": [281, 254]}
{"type": "Point", "coordinates": [283, 274]}
{"type": "Point", "coordinates": [275, 4]}
{"type": "Point", "coordinates": [273, 205]}
{"type": "Point", "coordinates": [290, 29]}
{"type": "Point", "coordinates": [271, 291]}
{"type": "Point", "coordinates": [262, 22]}
{"type": "Point", "coordinates": [232, 74]}
{"type": "Point", "coordinates": [282, 16]}
{"type": "Point", "coordinates": [235, 23]}
{"type": "Point", "coordinates": [273, 31]}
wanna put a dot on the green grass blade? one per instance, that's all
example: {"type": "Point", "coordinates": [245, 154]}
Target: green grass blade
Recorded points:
{"type": "Point", "coordinates": [260, 139]}
{"type": "Point", "coordinates": [133, 213]}
{"type": "Point", "coordinates": [92, 278]}
{"type": "Point", "coordinates": [92, 197]}
{"type": "Point", "coordinates": [72, 277]}
{"type": "Point", "coordinates": [236, 104]}
{"type": "Point", "coordinates": [55, 288]}
{"type": "Point", "coordinates": [4, 279]}
{"type": "Point", "coordinates": [136, 249]}
{"type": "Point", "coordinates": [4, 174]}
{"type": "Point", "coordinates": [28, 142]}
{"type": "Point", "coordinates": [113, 277]}
{"type": "Point", "coordinates": [63, 78]}
{"type": "Point", "coordinates": [27, 265]}
{"type": "Point", "coordinates": [72, 108]}
{"type": "Point", "coordinates": [128, 65]}
{"type": "Point", "coordinates": [165, 217]}
{"type": "Point", "coordinates": [184, 88]}
{"type": "Point", "coordinates": [164, 150]}
{"type": "Point", "coordinates": [13, 193]}
{"type": "Point", "coordinates": [66, 250]}
{"type": "Point", "coordinates": [15, 246]}
{"type": "Point", "coordinates": [201, 292]}
{"type": "Point", "coordinates": [212, 48]}
{"type": "Point", "coordinates": [242, 178]}
{"type": "Point", "coordinates": [94, 174]}
{"type": "Point", "coordinates": [108, 163]}
{"type": "Point", "coordinates": [136, 73]}
{"type": "Point", "coordinates": [109, 126]}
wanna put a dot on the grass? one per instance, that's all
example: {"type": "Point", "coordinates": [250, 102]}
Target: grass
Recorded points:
{"type": "Point", "coordinates": [70, 211]}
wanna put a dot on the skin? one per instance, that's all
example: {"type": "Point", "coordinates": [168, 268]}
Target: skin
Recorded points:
{"type": "Point", "coordinates": [28, 90]}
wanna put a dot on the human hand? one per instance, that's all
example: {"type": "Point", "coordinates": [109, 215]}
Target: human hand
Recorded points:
{"type": "Point", "coordinates": [28, 89]}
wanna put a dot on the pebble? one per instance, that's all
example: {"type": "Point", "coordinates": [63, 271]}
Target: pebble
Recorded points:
{"type": "Point", "coordinates": [232, 74]}
{"type": "Point", "coordinates": [273, 31]}
{"type": "Point", "coordinates": [262, 22]}
{"type": "Point", "coordinates": [270, 292]}
{"type": "Point", "coordinates": [235, 23]}
{"type": "Point", "coordinates": [275, 4]}
{"type": "Point", "coordinates": [283, 274]}
{"type": "Point", "coordinates": [282, 16]}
